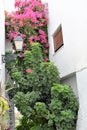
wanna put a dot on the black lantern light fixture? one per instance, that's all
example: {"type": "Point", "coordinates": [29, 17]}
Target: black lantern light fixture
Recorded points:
{"type": "Point", "coordinates": [18, 41]}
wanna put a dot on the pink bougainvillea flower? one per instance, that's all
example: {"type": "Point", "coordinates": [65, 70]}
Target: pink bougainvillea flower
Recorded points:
{"type": "Point", "coordinates": [17, 2]}
{"type": "Point", "coordinates": [41, 32]}
{"type": "Point", "coordinates": [28, 70]}
{"type": "Point", "coordinates": [6, 23]}
{"type": "Point", "coordinates": [28, 19]}
{"type": "Point", "coordinates": [25, 48]}
{"type": "Point", "coordinates": [12, 34]}
{"type": "Point", "coordinates": [38, 14]}
{"type": "Point", "coordinates": [22, 55]}
{"type": "Point", "coordinates": [23, 36]}
{"type": "Point", "coordinates": [47, 45]}
{"type": "Point", "coordinates": [45, 59]}
{"type": "Point", "coordinates": [43, 39]}
{"type": "Point", "coordinates": [46, 51]}
{"type": "Point", "coordinates": [21, 23]}
{"type": "Point", "coordinates": [31, 43]}
{"type": "Point", "coordinates": [33, 39]}
{"type": "Point", "coordinates": [36, 38]}
{"type": "Point", "coordinates": [24, 45]}
{"type": "Point", "coordinates": [42, 36]}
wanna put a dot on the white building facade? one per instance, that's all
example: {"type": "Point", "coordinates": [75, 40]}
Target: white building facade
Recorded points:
{"type": "Point", "coordinates": [71, 58]}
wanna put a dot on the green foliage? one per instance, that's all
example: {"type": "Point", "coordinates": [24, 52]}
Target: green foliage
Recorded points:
{"type": "Point", "coordinates": [64, 107]}
{"type": "Point", "coordinates": [16, 76]}
{"type": "Point", "coordinates": [24, 124]}
{"type": "Point", "coordinates": [39, 96]}
{"type": "Point", "coordinates": [59, 114]}
{"type": "Point", "coordinates": [25, 102]}
{"type": "Point", "coordinates": [41, 109]}
{"type": "Point", "coordinates": [8, 85]}
{"type": "Point", "coordinates": [50, 74]}
{"type": "Point", "coordinates": [33, 58]}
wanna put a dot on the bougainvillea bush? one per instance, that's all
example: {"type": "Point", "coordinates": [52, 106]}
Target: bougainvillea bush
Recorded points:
{"type": "Point", "coordinates": [30, 21]}
{"type": "Point", "coordinates": [44, 103]}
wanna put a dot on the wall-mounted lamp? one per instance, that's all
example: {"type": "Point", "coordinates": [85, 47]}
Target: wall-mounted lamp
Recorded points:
{"type": "Point", "coordinates": [18, 41]}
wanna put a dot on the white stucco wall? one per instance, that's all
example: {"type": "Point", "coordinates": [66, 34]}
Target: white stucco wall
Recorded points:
{"type": "Point", "coordinates": [71, 81]}
{"type": "Point", "coordinates": [82, 91]}
{"type": "Point", "coordinates": [72, 15]}
{"type": "Point", "coordinates": [2, 43]}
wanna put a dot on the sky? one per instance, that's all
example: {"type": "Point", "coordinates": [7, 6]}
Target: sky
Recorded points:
{"type": "Point", "coordinates": [9, 5]}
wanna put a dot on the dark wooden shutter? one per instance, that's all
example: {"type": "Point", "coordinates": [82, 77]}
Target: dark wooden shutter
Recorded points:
{"type": "Point", "coordinates": [58, 38]}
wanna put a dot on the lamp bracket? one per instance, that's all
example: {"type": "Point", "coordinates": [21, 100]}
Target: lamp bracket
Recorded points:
{"type": "Point", "coordinates": [3, 58]}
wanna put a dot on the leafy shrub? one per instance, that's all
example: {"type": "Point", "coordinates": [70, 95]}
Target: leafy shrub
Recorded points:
{"type": "Point", "coordinates": [64, 107]}
{"type": "Point", "coordinates": [59, 114]}
{"type": "Point", "coordinates": [41, 98]}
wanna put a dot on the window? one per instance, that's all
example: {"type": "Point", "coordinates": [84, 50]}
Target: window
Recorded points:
{"type": "Point", "coordinates": [58, 38]}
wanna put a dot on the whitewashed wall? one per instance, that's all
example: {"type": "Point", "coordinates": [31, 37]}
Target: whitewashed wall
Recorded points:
{"type": "Point", "coordinates": [71, 80]}
{"type": "Point", "coordinates": [82, 91]}
{"type": "Point", "coordinates": [2, 43]}
{"type": "Point", "coordinates": [72, 15]}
